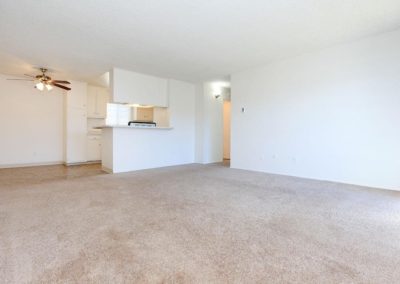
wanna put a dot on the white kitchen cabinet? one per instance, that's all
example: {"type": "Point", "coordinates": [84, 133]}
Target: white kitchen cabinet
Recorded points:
{"type": "Point", "coordinates": [94, 148]}
{"type": "Point", "coordinates": [97, 99]}
{"type": "Point", "coordinates": [91, 101]}
{"type": "Point", "coordinates": [75, 122]}
{"type": "Point", "coordinates": [76, 135]}
{"type": "Point", "coordinates": [136, 88]}
{"type": "Point", "coordinates": [102, 99]}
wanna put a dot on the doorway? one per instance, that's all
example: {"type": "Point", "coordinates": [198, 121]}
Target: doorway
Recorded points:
{"type": "Point", "coordinates": [227, 132]}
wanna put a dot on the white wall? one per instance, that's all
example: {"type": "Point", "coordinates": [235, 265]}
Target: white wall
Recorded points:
{"type": "Point", "coordinates": [199, 119]}
{"type": "Point", "coordinates": [183, 119]}
{"type": "Point", "coordinates": [31, 124]}
{"type": "Point", "coordinates": [330, 115]}
{"type": "Point", "coordinates": [134, 148]}
{"type": "Point", "coordinates": [210, 123]}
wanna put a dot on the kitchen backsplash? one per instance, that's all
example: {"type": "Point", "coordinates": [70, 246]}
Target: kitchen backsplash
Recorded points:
{"type": "Point", "coordinates": [119, 114]}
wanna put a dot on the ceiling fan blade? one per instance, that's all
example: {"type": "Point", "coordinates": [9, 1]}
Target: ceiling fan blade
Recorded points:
{"type": "Point", "coordinates": [20, 79]}
{"type": "Point", "coordinates": [60, 82]}
{"type": "Point", "coordinates": [29, 75]}
{"type": "Point", "coordinates": [61, 86]}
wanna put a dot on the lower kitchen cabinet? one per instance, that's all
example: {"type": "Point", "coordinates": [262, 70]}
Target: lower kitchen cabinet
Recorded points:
{"type": "Point", "coordinates": [94, 148]}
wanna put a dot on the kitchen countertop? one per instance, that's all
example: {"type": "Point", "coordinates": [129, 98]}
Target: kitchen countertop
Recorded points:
{"type": "Point", "coordinates": [133, 127]}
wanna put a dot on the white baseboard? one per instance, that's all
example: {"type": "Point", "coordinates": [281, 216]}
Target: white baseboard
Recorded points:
{"type": "Point", "coordinates": [81, 163]}
{"type": "Point", "coordinates": [107, 170]}
{"type": "Point", "coordinates": [24, 165]}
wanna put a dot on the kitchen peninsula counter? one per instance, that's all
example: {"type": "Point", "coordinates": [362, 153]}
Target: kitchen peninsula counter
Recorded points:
{"type": "Point", "coordinates": [134, 127]}
{"type": "Point", "coordinates": [131, 148]}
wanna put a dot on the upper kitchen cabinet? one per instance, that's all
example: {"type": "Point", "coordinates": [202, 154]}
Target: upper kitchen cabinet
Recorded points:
{"type": "Point", "coordinates": [136, 88]}
{"type": "Point", "coordinates": [97, 99]}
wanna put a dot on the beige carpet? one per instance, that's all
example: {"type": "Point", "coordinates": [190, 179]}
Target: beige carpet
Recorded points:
{"type": "Point", "coordinates": [193, 224]}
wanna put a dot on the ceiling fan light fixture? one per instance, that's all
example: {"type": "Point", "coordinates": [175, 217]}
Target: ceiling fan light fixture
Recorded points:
{"type": "Point", "coordinates": [40, 86]}
{"type": "Point", "coordinates": [43, 81]}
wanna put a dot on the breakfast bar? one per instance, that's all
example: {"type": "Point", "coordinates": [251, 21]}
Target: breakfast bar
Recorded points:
{"type": "Point", "coordinates": [129, 148]}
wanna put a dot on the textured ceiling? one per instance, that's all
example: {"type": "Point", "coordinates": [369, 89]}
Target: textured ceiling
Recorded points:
{"type": "Point", "coordinates": [192, 40]}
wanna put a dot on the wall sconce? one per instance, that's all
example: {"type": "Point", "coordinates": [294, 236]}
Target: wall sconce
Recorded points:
{"type": "Point", "coordinates": [218, 89]}
{"type": "Point", "coordinates": [217, 92]}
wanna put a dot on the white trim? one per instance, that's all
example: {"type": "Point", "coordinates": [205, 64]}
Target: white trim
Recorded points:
{"type": "Point", "coordinates": [24, 165]}
{"type": "Point", "coordinates": [107, 170]}
{"type": "Point", "coordinates": [81, 163]}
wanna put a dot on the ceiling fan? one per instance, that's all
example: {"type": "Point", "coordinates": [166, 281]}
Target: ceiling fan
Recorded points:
{"type": "Point", "coordinates": [44, 81]}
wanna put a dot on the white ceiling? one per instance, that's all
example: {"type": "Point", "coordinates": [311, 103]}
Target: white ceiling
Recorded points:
{"type": "Point", "coordinates": [192, 40]}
